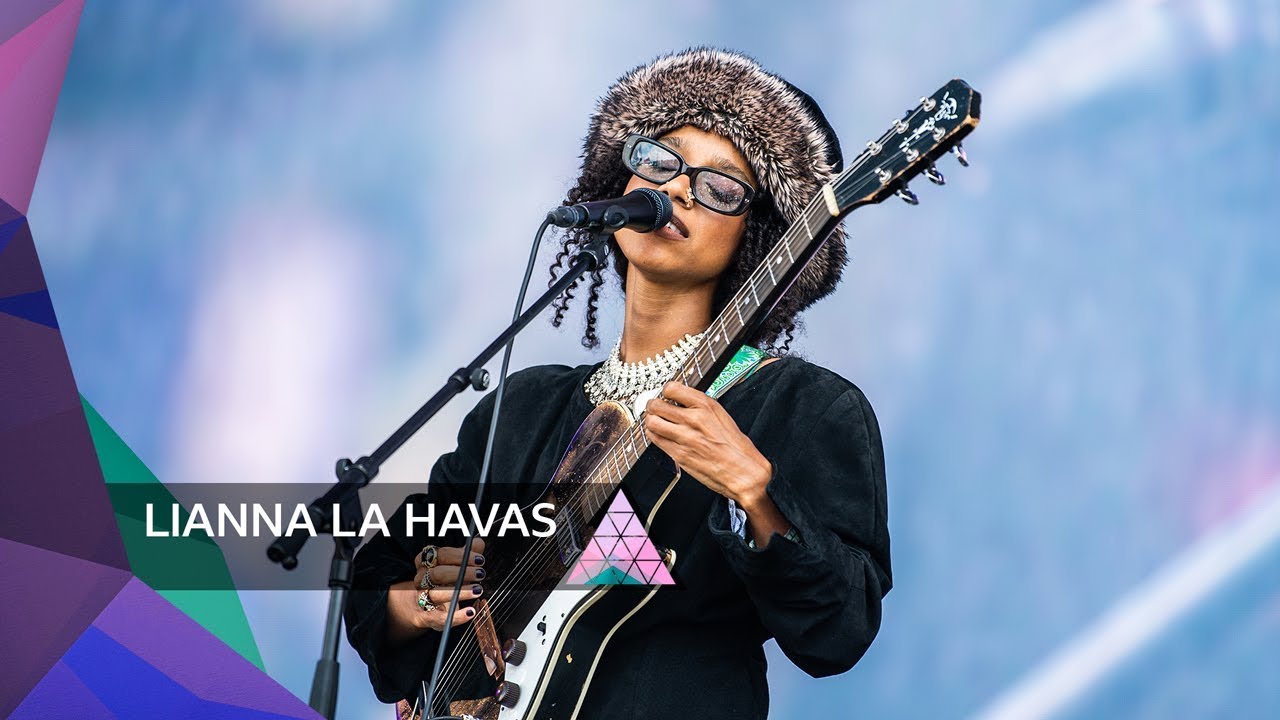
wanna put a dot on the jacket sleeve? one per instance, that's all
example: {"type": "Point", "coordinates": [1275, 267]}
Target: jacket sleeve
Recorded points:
{"type": "Point", "coordinates": [395, 671]}
{"type": "Point", "coordinates": [820, 596]}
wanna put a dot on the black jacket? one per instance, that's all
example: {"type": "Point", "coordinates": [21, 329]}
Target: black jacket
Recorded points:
{"type": "Point", "coordinates": [694, 650]}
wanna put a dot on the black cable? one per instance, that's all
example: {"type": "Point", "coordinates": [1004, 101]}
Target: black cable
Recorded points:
{"type": "Point", "coordinates": [480, 486]}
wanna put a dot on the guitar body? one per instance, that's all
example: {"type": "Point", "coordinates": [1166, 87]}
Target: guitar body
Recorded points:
{"type": "Point", "coordinates": [562, 630]}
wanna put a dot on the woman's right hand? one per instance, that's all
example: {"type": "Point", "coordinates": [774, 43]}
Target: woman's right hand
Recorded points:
{"type": "Point", "coordinates": [407, 619]}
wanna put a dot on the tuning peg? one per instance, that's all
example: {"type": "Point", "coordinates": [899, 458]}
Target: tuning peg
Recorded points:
{"type": "Point", "coordinates": [958, 149]}
{"type": "Point", "coordinates": [934, 175]}
{"type": "Point", "coordinates": [907, 196]}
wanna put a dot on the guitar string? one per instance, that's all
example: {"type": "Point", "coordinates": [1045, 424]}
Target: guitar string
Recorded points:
{"type": "Point", "coordinates": [457, 663]}
{"type": "Point", "coordinates": [459, 653]}
{"type": "Point", "coordinates": [549, 550]}
{"type": "Point", "coordinates": [498, 609]}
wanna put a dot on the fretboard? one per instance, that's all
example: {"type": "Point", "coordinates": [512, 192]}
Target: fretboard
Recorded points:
{"type": "Point", "coordinates": [757, 296]}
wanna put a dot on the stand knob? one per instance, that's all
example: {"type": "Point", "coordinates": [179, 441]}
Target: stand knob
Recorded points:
{"type": "Point", "coordinates": [513, 651]}
{"type": "Point", "coordinates": [508, 694]}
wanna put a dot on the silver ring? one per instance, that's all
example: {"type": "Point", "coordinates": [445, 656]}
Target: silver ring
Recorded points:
{"type": "Point", "coordinates": [424, 602]}
{"type": "Point", "coordinates": [426, 583]}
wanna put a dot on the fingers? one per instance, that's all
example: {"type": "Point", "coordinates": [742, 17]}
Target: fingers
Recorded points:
{"type": "Point", "coordinates": [452, 555]}
{"type": "Point", "coordinates": [443, 595]}
{"type": "Point", "coordinates": [670, 411]}
{"type": "Point", "coordinates": [685, 395]}
{"type": "Point", "coordinates": [448, 575]}
{"type": "Point", "coordinates": [662, 428]}
{"type": "Point", "coordinates": [460, 616]}
{"type": "Point", "coordinates": [435, 617]}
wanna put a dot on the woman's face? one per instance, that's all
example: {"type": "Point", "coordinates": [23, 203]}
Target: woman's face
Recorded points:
{"type": "Point", "coordinates": [702, 243]}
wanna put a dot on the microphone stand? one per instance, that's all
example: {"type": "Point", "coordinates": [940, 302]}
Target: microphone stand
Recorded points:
{"type": "Point", "coordinates": [354, 475]}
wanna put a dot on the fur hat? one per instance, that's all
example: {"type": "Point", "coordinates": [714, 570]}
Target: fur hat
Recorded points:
{"type": "Point", "coordinates": [779, 129]}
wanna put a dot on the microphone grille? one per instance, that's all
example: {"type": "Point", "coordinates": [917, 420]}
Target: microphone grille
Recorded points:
{"type": "Point", "coordinates": [662, 203]}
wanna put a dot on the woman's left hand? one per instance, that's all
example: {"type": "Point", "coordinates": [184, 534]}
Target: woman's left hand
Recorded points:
{"type": "Point", "coordinates": [704, 441]}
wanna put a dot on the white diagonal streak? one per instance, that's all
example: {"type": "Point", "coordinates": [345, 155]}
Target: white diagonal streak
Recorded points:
{"type": "Point", "coordinates": [1143, 614]}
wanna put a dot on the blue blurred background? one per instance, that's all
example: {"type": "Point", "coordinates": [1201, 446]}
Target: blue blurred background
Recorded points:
{"type": "Point", "coordinates": [270, 229]}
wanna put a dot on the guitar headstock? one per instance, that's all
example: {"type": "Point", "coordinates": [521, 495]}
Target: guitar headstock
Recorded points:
{"type": "Point", "coordinates": [910, 147]}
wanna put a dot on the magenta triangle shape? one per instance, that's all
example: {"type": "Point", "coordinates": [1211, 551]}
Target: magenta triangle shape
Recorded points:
{"type": "Point", "coordinates": [20, 13]}
{"type": "Point", "coordinates": [32, 65]}
{"type": "Point", "coordinates": [620, 549]}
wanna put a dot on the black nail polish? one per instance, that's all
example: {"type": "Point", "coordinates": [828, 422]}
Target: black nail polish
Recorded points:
{"type": "Point", "coordinates": [480, 574]}
{"type": "Point", "coordinates": [476, 589]}
{"type": "Point", "coordinates": [471, 611]}
{"type": "Point", "coordinates": [479, 560]}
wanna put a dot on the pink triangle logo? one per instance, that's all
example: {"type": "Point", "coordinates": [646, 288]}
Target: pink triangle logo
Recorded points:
{"type": "Point", "coordinates": [620, 552]}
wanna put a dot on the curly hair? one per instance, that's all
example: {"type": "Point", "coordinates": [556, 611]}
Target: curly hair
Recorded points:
{"type": "Point", "coordinates": [779, 129]}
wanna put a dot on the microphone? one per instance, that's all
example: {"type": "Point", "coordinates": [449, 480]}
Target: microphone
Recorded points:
{"type": "Point", "coordinates": [642, 210]}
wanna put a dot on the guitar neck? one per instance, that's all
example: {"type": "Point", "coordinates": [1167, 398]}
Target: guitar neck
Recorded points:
{"type": "Point", "coordinates": [744, 311]}
{"type": "Point", "coordinates": [908, 148]}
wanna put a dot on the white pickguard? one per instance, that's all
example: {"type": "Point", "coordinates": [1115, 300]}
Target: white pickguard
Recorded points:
{"type": "Point", "coordinates": [555, 612]}
{"type": "Point", "coordinates": [560, 612]}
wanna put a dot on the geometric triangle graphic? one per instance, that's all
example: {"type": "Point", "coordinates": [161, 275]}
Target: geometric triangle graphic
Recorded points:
{"type": "Point", "coordinates": [42, 422]}
{"type": "Point", "coordinates": [218, 611]}
{"type": "Point", "coordinates": [129, 686]}
{"type": "Point", "coordinates": [61, 694]}
{"type": "Point", "coordinates": [620, 552]}
{"type": "Point", "coordinates": [8, 226]}
{"type": "Point", "coordinates": [33, 62]}
{"type": "Point", "coordinates": [21, 13]}
{"type": "Point", "coordinates": [49, 598]}
{"type": "Point", "coordinates": [160, 635]}
{"type": "Point", "coordinates": [87, 636]}
{"type": "Point", "coordinates": [19, 266]}
{"type": "Point", "coordinates": [33, 306]}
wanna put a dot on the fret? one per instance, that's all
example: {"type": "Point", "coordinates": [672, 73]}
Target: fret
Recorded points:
{"type": "Point", "coordinates": [787, 244]}
{"type": "Point", "coordinates": [769, 267]}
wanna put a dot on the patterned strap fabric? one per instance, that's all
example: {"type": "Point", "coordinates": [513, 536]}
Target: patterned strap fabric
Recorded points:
{"type": "Point", "coordinates": [746, 361]}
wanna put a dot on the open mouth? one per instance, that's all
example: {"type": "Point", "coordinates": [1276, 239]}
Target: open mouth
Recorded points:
{"type": "Point", "coordinates": [677, 226]}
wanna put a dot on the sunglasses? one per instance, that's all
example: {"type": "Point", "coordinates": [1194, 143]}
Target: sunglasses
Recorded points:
{"type": "Point", "coordinates": [712, 189]}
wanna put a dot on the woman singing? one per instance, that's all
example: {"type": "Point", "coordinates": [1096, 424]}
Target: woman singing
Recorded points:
{"type": "Point", "coordinates": [785, 534]}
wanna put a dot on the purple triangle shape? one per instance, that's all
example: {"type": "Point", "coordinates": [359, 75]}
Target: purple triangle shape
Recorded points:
{"type": "Point", "coordinates": [19, 266]}
{"type": "Point", "coordinates": [7, 231]}
{"type": "Point", "coordinates": [167, 639]}
{"type": "Point", "coordinates": [60, 694]}
{"type": "Point", "coordinates": [33, 306]}
{"type": "Point", "coordinates": [8, 213]}
{"type": "Point", "coordinates": [35, 377]}
{"type": "Point", "coordinates": [70, 490]}
{"type": "Point", "coordinates": [48, 600]}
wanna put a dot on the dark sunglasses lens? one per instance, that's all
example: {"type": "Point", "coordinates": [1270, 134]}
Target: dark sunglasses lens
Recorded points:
{"type": "Point", "coordinates": [719, 192]}
{"type": "Point", "coordinates": [653, 162]}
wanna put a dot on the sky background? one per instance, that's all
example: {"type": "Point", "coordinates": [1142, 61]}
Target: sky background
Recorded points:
{"type": "Point", "coordinates": [272, 229]}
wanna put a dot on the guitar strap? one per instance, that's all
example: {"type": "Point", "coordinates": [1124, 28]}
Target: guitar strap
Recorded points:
{"type": "Point", "coordinates": [745, 362]}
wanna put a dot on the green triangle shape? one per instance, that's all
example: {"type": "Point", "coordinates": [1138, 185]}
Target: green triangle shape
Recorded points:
{"type": "Point", "coordinates": [612, 576]}
{"type": "Point", "coordinates": [218, 611]}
